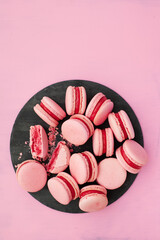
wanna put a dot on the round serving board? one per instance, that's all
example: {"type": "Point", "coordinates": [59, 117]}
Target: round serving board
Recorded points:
{"type": "Point", "coordinates": [19, 142]}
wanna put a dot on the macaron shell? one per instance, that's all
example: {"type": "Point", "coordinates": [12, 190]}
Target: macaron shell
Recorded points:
{"type": "Point", "coordinates": [75, 132]}
{"type": "Point", "coordinates": [135, 152]}
{"type": "Point", "coordinates": [127, 124]}
{"type": "Point", "coordinates": [83, 100]}
{"type": "Point", "coordinates": [110, 142]}
{"type": "Point", "coordinates": [44, 143]}
{"type": "Point", "coordinates": [94, 187]}
{"type": "Point", "coordinates": [72, 181]}
{"type": "Point", "coordinates": [111, 174]}
{"type": "Point", "coordinates": [45, 116]}
{"type": "Point", "coordinates": [103, 112]}
{"type": "Point", "coordinates": [94, 166]}
{"type": "Point", "coordinates": [87, 122]}
{"type": "Point", "coordinates": [41, 140]}
{"type": "Point", "coordinates": [31, 175]}
{"type": "Point", "coordinates": [115, 126]}
{"type": "Point", "coordinates": [54, 107]}
{"type": "Point", "coordinates": [59, 190]}
{"type": "Point", "coordinates": [79, 168]}
{"type": "Point", "coordinates": [61, 161]}
{"type": "Point", "coordinates": [93, 202]}
{"type": "Point", "coordinates": [97, 142]}
{"type": "Point", "coordinates": [93, 103]}
{"type": "Point", "coordinates": [70, 100]}
{"type": "Point", "coordinates": [124, 164]}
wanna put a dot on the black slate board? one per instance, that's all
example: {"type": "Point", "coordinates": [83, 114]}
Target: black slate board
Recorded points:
{"type": "Point", "coordinates": [27, 117]}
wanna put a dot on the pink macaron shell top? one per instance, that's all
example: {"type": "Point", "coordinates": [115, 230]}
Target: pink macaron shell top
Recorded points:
{"type": "Point", "coordinates": [86, 121]}
{"type": "Point", "coordinates": [103, 112]}
{"type": "Point", "coordinates": [94, 166]}
{"type": "Point", "coordinates": [45, 116]}
{"type": "Point", "coordinates": [83, 100]}
{"type": "Point", "coordinates": [53, 107]}
{"type": "Point", "coordinates": [83, 167]}
{"type": "Point", "coordinates": [110, 142]}
{"type": "Point", "coordinates": [127, 124]}
{"type": "Point", "coordinates": [75, 131]}
{"type": "Point", "coordinates": [31, 175]}
{"type": "Point", "coordinates": [59, 160]}
{"type": "Point", "coordinates": [111, 174]}
{"type": "Point", "coordinates": [92, 104]}
{"type": "Point", "coordinates": [71, 100]}
{"type": "Point", "coordinates": [38, 141]}
{"type": "Point", "coordinates": [97, 142]}
{"type": "Point", "coordinates": [63, 188]}
{"type": "Point", "coordinates": [79, 168]}
{"type": "Point", "coordinates": [59, 190]}
{"type": "Point", "coordinates": [93, 198]}
{"type": "Point", "coordinates": [135, 153]}
{"type": "Point", "coordinates": [122, 130]}
{"type": "Point", "coordinates": [116, 128]}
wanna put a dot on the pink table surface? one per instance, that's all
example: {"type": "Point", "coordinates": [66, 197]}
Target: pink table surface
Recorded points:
{"type": "Point", "coordinates": [116, 43]}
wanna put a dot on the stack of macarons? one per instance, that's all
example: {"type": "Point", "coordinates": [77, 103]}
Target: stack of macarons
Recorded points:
{"type": "Point", "coordinates": [74, 170]}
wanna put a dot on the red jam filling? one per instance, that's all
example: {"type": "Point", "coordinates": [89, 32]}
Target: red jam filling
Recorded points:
{"type": "Point", "coordinates": [121, 125]}
{"type": "Point", "coordinates": [97, 107]}
{"type": "Point", "coordinates": [90, 192]}
{"type": "Point", "coordinates": [49, 112]}
{"type": "Point", "coordinates": [36, 140]}
{"type": "Point", "coordinates": [68, 185]}
{"type": "Point", "coordinates": [77, 99]}
{"type": "Point", "coordinates": [128, 161]}
{"type": "Point", "coordinates": [89, 165]}
{"type": "Point", "coordinates": [104, 140]}
{"type": "Point", "coordinates": [54, 156]}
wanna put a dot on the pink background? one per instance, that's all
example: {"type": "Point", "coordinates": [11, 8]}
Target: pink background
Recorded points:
{"type": "Point", "coordinates": [116, 43]}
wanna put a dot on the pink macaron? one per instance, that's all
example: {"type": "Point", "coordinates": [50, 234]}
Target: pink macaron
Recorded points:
{"type": "Point", "coordinates": [132, 156]}
{"type": "Point", "coordinates": [83, 167]}
{"type": "Point", "coordinates": [121, 125]}
{"type": "Point", "coordinates": [98, 108]}
{"type": "Point", "coordinates": [49, 111]}
{"type": "Point", "coordinates": [31, 175]}
{"type": "Point", "coordinates": [103, 142]}
{"type": "Point", "coordinates": [38, 142]}
{"type": "Point", "coordinates": [111, 174]}
{"type": "Point", "coordinates": [63, 188]}
{"type": "Point", "coordinates": [75, 100]}
{"type": "Point", "coordinates": [93, 198]}
{"type": "Point", "coordinates": [59, 160]}
{"type": "Point", "coordinates": [77, 130]}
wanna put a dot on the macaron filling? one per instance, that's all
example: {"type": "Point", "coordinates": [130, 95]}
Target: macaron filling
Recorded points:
{"type": "Point", "coordinates": [35, 141]}
{"type": "Point", "coordinates": [49, 112]}
{"type": "Point", "coordinates": [89, 164]}
{"type": "Point", "coordinates": [54, 156]}
{"type": "Point", "coordinates": [77, 99]}
{"type": "Point", "coordinates": [68, 185]}
{"type": "Point", "coordinates": [128, 161]}
{"type": "Point", "coordinates": [121, 125]}
{"type": "Point", "coordinates": [104, 140]}
{"type": "Point", "coordinates": [87, 192]}
{"type": "Point", "coordinates": [97, 107]}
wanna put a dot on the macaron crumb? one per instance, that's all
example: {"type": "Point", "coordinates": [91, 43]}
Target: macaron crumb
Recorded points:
{"type": "Point", "coordinates": [20, 156]}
